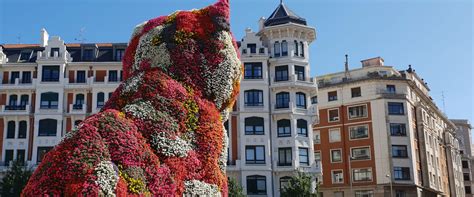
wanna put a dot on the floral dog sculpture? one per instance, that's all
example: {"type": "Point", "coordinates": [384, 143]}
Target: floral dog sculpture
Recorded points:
{"type": "Point", "coordinates": [161, 133]}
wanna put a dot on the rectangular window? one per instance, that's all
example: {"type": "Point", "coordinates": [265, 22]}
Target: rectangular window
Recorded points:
{"type": "Point", "coordinates": [284, 157]}
{"type": "Point", "coordinates": [332, 96]}
{"type": "Point", "coordinates": [395, 108]}
{"type": "Point", "coordinates": [356, 92]}
{"type": "Point", "coordinates": [11, 127]}
{"type": "Point", "coordinates": [465, 164]}
{"type": "Point", "coordinates": [302, 127]}
{"type": "Point", "coordinates": [119, 54]}
{"type": "Point", "coordinates": [49, 100]}
{"type": "Point", "coordinates": [253, 98]}
{"type": "Point", "coordinates": [54, 50]}
{"type": "Point", "coordinates": [364, 193]}
{"type": "Point", "coordinates": [314, 100]}
{"type": "Point", "coordinates": [113, 76]}
{"type": "Point", "coordinates": [8, 157]}
{"type": "Point", "coordinates": [300, 100]}
{"type": "Point", "coordinates": [253, 70]}
{"type": "Point", "coordinates": [282, 100]}
{"type": "Point", "coordinates": [398, 129]}
{"type": "Point", "coordinates": [317, 137]}
{"type": "Point", "coordinates": [81, 76]}
{"type": "Point", "coordinates": [391, 89]}
{"type": "Point", "coordinates": [334, 135]}
{"type": "Point", "coordinates": [317, 158]}
{"type": "Point", "coordinates": [281, 73]}
{"type": "Point", "coordinates": [400, 193]}
{"type": "Point", "coordinates": [41, 152]}
{"type": "Point", "coordinates": [359, 132]}
{"type": "Point", "coordinates": [362, 174]}
{"type": "Point", "coordinates": [401, 173]}
{"type": "Point", "coordinates": [252, 47]}
{"type": "Point", "coordinates": [15, 75]}
{"type": "Point", "coordinates": [333, 115]}
{"type": "Point", "coordinates": [22, 130]}
{"type": "Point", "coordinates": [50, 74]}
{"type": "Point", "coordinates": [299, 72]}
{"type": "Point", "coordinates": [337, 176]}
{"type": "Point", "coordinates": [336, 156]}
{"type": "Point", "coordinates": [303, 156]}
{"type": "Point", "coordinates": [256, 185]}
{"type": "Point", "coordinates": [88, 54]}
{"type": "Point", "coordinates": [255, 154]}
{"type": "Point", "coordinates": [20, 156]}
{"type": "Point", "coordinates": [25, 56]}
{"type": "Point", "coordinates": [26, 77]}
{"type": "Point", "coordinates": [399, 151]}
{"type": "Point", "coordinates": [467, 189]}
{"type": "Point", "coordinates": [254, 126]}
{"type": "Point", "coordinates": [358, 111]}
{"type": "Point", "coordinates": [47, 127]}
{"type": "Point", "coordinates": [360, 153]}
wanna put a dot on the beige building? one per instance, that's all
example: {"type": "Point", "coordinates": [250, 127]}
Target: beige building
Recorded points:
{"type": "Point", "coordinates": [464, 134]}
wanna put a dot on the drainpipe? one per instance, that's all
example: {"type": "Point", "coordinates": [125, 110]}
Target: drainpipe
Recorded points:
{"type": "Point", "coordinates": [272, 167]}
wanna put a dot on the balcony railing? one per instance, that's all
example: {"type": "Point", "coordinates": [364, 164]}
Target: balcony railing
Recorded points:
{"type": "Point", "coordinates": [77, 108]}
{"type": "Point", "coordinates": [293, 80]}
{"type": "Point", "coordinates": [390, 94]}
{"type": "Point", "coordinates": [15, 109]}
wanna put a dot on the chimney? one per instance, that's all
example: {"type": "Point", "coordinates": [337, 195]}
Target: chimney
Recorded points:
{"type": "Point", "coordinates": [44, 37]}
{"type": "Point", "coordinates": [261, 23]}
{"type": "Point", "coordinates": [376, 61]}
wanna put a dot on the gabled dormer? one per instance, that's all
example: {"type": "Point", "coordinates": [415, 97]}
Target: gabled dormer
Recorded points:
{"type": "Point", "coordinates": [54, 48]}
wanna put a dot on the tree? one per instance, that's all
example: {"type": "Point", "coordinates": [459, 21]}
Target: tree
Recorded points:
{"type": "Point", "coordinates": [298, 186]}
{"type": "Point", "coordinates": [15, 179]}
{"type": "Point", "coordinates": [235, 190]}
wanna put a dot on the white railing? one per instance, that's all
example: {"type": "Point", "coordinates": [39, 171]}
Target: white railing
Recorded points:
{"type": "Point", "coordinates": [74, 109]}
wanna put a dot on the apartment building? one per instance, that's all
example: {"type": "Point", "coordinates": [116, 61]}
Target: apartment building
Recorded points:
{"type": "Point", "coordinates": [48, 88]}
{"type": "Point", "coordinates": [464, 134]}
{"type": "Point", "coordinates": [381, 134]}
{"type": "Point", "coordinates": [270, 128]}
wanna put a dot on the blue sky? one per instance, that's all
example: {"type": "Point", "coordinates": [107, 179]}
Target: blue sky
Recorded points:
{"type": "Point", "coordinates": [434, 36]}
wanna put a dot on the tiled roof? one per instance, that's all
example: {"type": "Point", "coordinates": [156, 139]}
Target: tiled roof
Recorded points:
{"type": "Point", "coordinates": [283, 15]}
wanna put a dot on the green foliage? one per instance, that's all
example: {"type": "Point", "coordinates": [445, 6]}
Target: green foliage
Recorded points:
{"type": "Point", "coordinates": [15, 179]}
{"type": "Point", "coordinates": [299, 186]}
{"type": "Point", "coordinates": [235, 190]}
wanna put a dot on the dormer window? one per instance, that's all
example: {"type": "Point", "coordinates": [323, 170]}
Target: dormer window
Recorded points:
{"type": "Point", "coordinates": [252, 47]}
{"type": "Point", "coordinates": [25, 56]}
{"type": "Point", "coordinates": [119, 53]}
{"type": "Point", "coordinates": [54, 50]}
{"type": "Point", "coordinates": [88, 54]}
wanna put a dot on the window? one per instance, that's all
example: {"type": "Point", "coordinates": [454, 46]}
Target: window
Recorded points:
{"type": "Point", "coordinates": [26, 77]}
{"type": "Point", "coordinates": [317, 158]}
{"type": "Point", "coordinates": [253, 70]}
{"type": "Point", "coordinates": [360, 153]}
{"type": "Point", "coordinates": [337, 176]}
{"type": "Point", "coordinates": [400, 193]}
{"type": "Point", "coordinates": [302, 49]}
{"type": "Point", "coordinates": [119, 54]}
{"type": "Point", "coordinates": [284, 128]}
{"type": "Point", "coordinates": [100, 99]}
{"type": "Point", "coordinates": [301, 100]}
{"type": "Point", "coordinates": [253, 98]}
{"type": "Point", "coordinates": [256, 185]}
{"type": "Point", "coordinates": [467, 189]}
{"type": "Point", "coordinates": [49, 100]}
{"type": "Point", "coordinates": [77, 122]}
{"type": "Point", "coordinates": [359, 132]}
{"type": "Point", "coordinates": [50, 74]}
{"type": "Point", "coordinates": [395, 108]}
{"type": "Point", "coordinates": [314, 100]}
{"type": "Point", "coordinates": [22, 130]}
{"type": "Point", "coordinates": [113, 77]}
{"type": "Point", "coordinates": [299, 71]}
{"type": "Point", "coordinates": [358, 111]}
{"type": "Point", "coordinates": [13, 100]}
{"type": "Point", "coordinates": [364, 193]}
{"type": "Point", "coordinates": [333, 115]}
{"type": "Point", "coordinates": [303, 156]}
{"type": "Point", "coordinates": [24, 100]}
{"type": "Point", "coordinates": [20, 156]}
{"type": "Point", "coordinates": [398, 129]}
{"type": "Point", "coordinates": [317, 137]}
{"type": "Point", "coordinates": [276, 47]}
{"type": "Point", "coordinates": [15, 75]}
{"type": "Point", "coordinates": [81, 76]}
{"type": "Point", "coordinates": [254, 126]}
{"type": "Point", "coordinates": [25, 56]}
{"type": "Point", "coordinates": [399, 151]}
{"type": "Point", "coordinates": [362, 174]}
{"type": "Point", "coordinates": [79, 102]}
{"type": "Point", "coordinates": [282, 100]}
{"type": "Point", "coordinates": [11, 129]}
{"type": "Point", "coordinates": [334, 135]}
{"type": "Point", "coordinates": [255, 154]}
{"type": "Point", "coordinates": [281, 73]}
{"type": "Point", "coordinates": [252, 47]}
{"type": "Point", "coordinates": [336, 156]}
{"type": "Point", "coordinates": [465, 164]}
{"type": "Point", "coordinates": [121, 75]}
{"type": "Point", "coordinates": [297, 49]}
{"type": "Point", "coordinates": [466, 177]}
{"type": "Point", "coordinates": [332, 96]}
{"type": "Point", "coordinates": [391, 89]}
{"type": "Point", "coordinates": [41, 152]}
{"type": "Point", "coordinates": [356, 92]}
{"type": "Point", "coordinates": [284, 181]}
{"type": "Point", "coordinates": [284, 157]}
{"type": "Point", "coordinates": [88, 54]}
{"type": "Point", "coordinates": [8, 157]}
{"type": "Point", "coordinates": [47, 127]}
{"type": "Point", "coordinates": [284, 48]}
{"type": "Point", "coordinates": [302, 127]}
{"type": "Point", "coordinates": [54, 50]}
{"type": "Point", "coordinates": [401, 173]}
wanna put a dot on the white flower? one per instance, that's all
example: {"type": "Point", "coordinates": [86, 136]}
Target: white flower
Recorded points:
{"type": "Point", "coordinates": [141, 109]}
{"type": "Point", "coordinates": [170, 147]}
{"type": "Point", "coordinates": [132, 83]}
{"type": "Point", "coordinates": [107, 177]}
{"type": "Point", "coordinates": [195, 187]}
{"type": "Point", "coordinates": [158, 55]}
{"type": "Point", "coordinates": [223, 156]}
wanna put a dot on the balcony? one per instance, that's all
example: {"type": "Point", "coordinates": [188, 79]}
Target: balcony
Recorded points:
{"type": "Point", "coordinates": [384, 93]}
{"type": "Point", "coordinates": [19, 84]}
{"type": "Point", "coordinates": [308, 111]}
{"type": "Point", "coordinates": [291, 54]}
{"type": "Point", "coordinates": [78, 84]}
{"type": "Point", "coordinates": [15, 110]}
{"type": "Point", "coordinates": [106, 82]}
{"type": "Point", "coordinates": [77, 108]}
{"type": "Point", "coordinates": [294, 82]}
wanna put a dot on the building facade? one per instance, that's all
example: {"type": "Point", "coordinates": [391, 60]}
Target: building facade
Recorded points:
{"type": "Point", "coordinates": [464, 134]}
{"type": "Point", "coordinates": [380, 133]}
{"type": "Point", "coordinates": [270, 129]}
{"type": "Point", "coordinates": [48, 88]}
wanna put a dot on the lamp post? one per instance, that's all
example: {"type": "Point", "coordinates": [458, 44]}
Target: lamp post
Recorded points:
{"type": "Point", "coordinates": [391, 187]}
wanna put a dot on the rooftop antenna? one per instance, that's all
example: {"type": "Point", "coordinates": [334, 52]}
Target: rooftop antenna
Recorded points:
{"type": "Point", "coordinates": [346, 67]}
{"type": "Point", "coordinates": [81, 38]}
{"type": "Point", "coordinates": [444, 103]}
{"type": "Point", "coordinates": [18, 38]}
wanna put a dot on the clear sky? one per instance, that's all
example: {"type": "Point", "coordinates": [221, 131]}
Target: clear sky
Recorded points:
{"type": "Point", "coordinates": [434, 36]}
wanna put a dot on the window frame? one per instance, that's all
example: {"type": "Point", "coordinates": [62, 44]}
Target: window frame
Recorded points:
{"type": "Point", "coordinates": [300, 73]}
{"type": "Point", "coordinates": [402, 171]}
{"type": "Point", "coordinates": [301, 97]}
{"type": "Point", "coordinates": [401, 133]}
{"type": "Point", "coordinates": [254, 95]}
{"type": "Point", "coordinates": [356, 95]}
{"type": "Point", "coordinates": [254, 126]}
{"type": "Point", "coordinates": [283, 161]}
{"type": "Point", "coordinates": [254, 67]}
{"type": "Point", "coordinates": [53, 103]}
{"type": "Point", "coordinates": [365, 158]}
{"type": "Point", "coordinates": [306, 163]}
{"type": "Point", "coordinates": [351, 136]}
{"type": "Point", "coordinates": [333, 178]}
{"type": "Point", "coordinates": [365, 109]}
{"type": "Point", "coordinates": [390, 106]}
{"type": "Point", "coordinates": [282, 73]}
{"type": "Point", "coordinates": [338, 115]}
{"type": "Point", "coordinates": [255, 151]}
{"type": "Point", "coordinates": [48, 123]}
{"type": "Point", "coordinates": [331, 155]}
{"type": "Point", "coordinates": [331, 96]}
{"type": "Point", "coordinates": [302, 131]}
{"type": "Point", "coordinates": [334, 130]}
{"type": "Point", "coordinates": [369, 170]}
{"type": "Point", "coordinates": [400, 153]}
{"type": "Point", "coordinates": [285, 132]}
{"type": "Point", "coordinates": [282, 100]}
{"type": "Point", "coordinates": [48, 73]}
{"type": "Point", "coordinates": [250, 185]}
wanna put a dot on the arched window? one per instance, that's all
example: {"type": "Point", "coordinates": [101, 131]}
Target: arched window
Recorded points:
{"type": "Point", "coordinates": [49, 100]}
{"type": "Point", "coordinates": [302, 49]}
{"type": "Point", "coordinates": [100, 100]}
{"type": "Point", "coordinates": [11, 129]}
{"type": "Point", "coordinates": [297, 48]}
{"type": "Point", "coordinates": [13, 100]}
{"type": "Point", "coordinates": [253, 98]}
{"type": "Point", "coordinates": [284, 48]}
{"type": "Point", "coordinates": [254, 126]}
{"type": "Point", "coordinates": [22, 129]}
{"type": "Point", "coordinates": [256, 185]}
{"type": "Point", "coordinates": [301, 100]}
{"type": "Point", "coordinates": [24, 100]}
{"type": "Point", "coordinates": [302, 127]}
{"type": "Point", "coordinates": [284, 181]}
{"type": "Point", "coordinates": [276, 48]}
{"type": "Point", "coordinates": [282, 100]}
{"type": "Point", "coordinates": [47, 127]}
{"type": "Point", "coordinates": [284, 128]}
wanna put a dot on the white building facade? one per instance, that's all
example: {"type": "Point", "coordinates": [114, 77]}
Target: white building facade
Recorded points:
{"type": "Point", "coordinates": [463, 132]}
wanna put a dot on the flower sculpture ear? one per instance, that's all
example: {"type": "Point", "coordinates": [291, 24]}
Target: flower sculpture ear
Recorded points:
{"type": "Point", "coordinates": [161, 132]}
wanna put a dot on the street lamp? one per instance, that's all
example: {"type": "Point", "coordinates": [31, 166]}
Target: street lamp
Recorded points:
{"type": "Point", "coordinates": [391, 187]}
